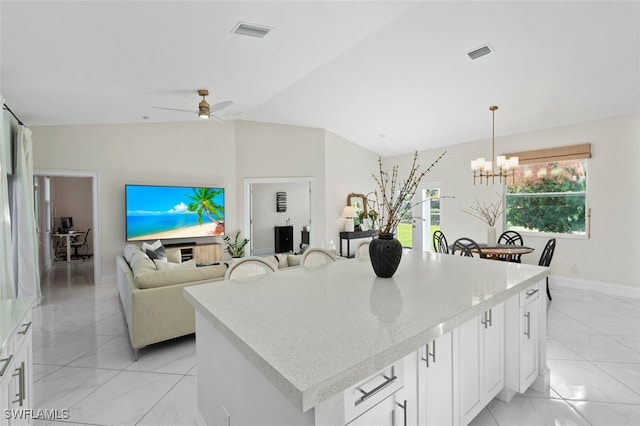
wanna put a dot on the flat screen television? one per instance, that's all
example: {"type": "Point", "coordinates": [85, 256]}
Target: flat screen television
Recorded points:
{"type": "Point", "coordinates": [166, 212]}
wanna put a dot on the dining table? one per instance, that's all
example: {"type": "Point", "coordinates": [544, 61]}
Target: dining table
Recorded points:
{"type": "Point", "coordinates": [504, 251]}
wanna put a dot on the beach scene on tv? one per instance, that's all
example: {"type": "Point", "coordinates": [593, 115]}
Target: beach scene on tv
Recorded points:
{"type": "Point", "coordinates": [165, 212]}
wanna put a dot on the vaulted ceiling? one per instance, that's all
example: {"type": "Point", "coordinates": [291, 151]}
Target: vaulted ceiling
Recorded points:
{"type": "Point", "coordinates": [392, 76]}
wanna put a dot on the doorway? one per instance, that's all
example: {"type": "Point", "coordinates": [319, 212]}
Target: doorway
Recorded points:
{"type": "Point", "coordinates": [426, 217]}
{"type": "Point", "coordinates": [75, 189]}
{"type": "Point", "coordinates": [278, 202]}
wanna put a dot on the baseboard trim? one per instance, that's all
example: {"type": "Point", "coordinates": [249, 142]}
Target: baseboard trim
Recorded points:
{"type": "Point", "coordinates": [597, 286]}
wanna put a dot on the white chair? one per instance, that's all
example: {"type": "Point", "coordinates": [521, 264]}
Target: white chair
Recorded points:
{"type": "Point", "coordinates": [362, 252]}
{"type": "Point", "coordinates": [249, 267]}
{"type": "Point", "coordinates": [317, 256]}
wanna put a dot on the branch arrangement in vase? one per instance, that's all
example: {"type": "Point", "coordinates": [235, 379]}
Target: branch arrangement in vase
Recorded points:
{"type": "Point", "coordinates": [394, 197]}
{"type": "Point", "coordinates": [489, 214]}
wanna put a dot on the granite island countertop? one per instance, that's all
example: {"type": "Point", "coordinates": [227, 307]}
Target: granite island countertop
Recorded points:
{"type": "Point", "coordinates": [315, 332]}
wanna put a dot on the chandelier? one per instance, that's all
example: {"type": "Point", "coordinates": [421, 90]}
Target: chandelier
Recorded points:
{"type": "Point", "coordinates": [505, 167]}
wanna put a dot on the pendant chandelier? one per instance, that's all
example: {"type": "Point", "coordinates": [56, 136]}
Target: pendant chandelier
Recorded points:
{"type": "Point", "coordinates": [505, 167]}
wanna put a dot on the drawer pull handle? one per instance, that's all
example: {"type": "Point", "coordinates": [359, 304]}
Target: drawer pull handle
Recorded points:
{"type": "Point", "coordinates": [25, 328]}
{"type": "Point", "coordinates": [531, 293]}
{"type": "Point", "coordinates": [404, 409]}
{"type": "Point", "coordinates": [488, 319]}
{"type": "Point", "coordinates": [528, 332]}
{"type": "Point", "coordinates": [20, 395]}
{"type": "Point", "coordinates": [366, 395]}
{"type": "Point", "coordinates": [430, 354]}
{"type": "Point", "coordinates": [6, 361]}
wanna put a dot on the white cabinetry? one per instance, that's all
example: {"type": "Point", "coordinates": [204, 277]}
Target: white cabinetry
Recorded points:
{"type": "Point", "coordinates": [384, 398]}
{"type": "Point", "coordinates": [478, 363]}
{"type": "Point", "coordinates": [522, 335]}
{"type": "Point", "coordinates": [435, 386]}
{"type": "Point", "coordinates": [16, 376]}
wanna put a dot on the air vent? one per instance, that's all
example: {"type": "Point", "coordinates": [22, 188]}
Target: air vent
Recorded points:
{"type": "Point", "coordinates": [252, 30]}
{"type": "Point", "coordinates": [481, 51]}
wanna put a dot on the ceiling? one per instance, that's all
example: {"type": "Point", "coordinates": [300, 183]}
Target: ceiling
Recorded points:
{"type": "Point", "coordinates": [391, 76]}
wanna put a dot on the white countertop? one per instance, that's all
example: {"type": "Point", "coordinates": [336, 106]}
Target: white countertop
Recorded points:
{"type": "Point", "coordinates": [11, 313]}
{"type": "Point", "coordinates": [313, 333]}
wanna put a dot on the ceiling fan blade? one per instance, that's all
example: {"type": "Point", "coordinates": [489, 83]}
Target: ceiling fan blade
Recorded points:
{"type": "Point", "coordinates": [220, 105]}
{"type": "Point", "coordinates": [215, 117]}
{"type": "Point", "coordinates": [174, 109]}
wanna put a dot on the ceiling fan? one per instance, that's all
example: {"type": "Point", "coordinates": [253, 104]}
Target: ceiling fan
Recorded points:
{"type": "Point", "coordinates": [205, 110]}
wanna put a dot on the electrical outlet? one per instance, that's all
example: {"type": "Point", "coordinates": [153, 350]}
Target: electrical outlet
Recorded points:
{"type": "Point", "coordinates": [574, 268]}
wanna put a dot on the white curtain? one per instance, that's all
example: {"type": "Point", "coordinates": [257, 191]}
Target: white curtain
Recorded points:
{"type": "Point", "coordinates": [25, 241]}
{"type": "Point", "coordinates": [7, 284]}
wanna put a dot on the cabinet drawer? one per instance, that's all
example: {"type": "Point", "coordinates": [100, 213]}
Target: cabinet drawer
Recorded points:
{"type": "Point", "coordinates": [369, 392]}
{"type": "Point", "coordinates": [23, 331]}
{"type": "Point", "coordinates": [530, 294]}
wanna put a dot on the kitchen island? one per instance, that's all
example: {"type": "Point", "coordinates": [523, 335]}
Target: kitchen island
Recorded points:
{"type": "Point", "coordinates": [327, 345]}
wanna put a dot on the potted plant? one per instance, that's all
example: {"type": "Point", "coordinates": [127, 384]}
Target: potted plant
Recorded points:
{"type": "Point", "coordinates": [235, 247]}
{"type": "Point", "coordinates": [489, 214]}
{"type": "Point", "coordinates": [394, 198]}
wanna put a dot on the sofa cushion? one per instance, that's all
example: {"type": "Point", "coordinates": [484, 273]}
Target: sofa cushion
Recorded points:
{"type": "Point", "coordinates": [141, 264]}
{"type": "Point", "coordinates": [163, 265]}
{"type": "Point", "coordinates": [179, 276]}
{"type": "Point", "coordinates": [129, 251]}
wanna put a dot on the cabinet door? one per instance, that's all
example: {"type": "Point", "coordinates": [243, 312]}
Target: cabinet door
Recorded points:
{"type": "Point", "coordinates": [6, 368]}
{"type": "Point", "coordinates": [435, 384]}
{"type": "Point", "coordinates": [492, 331]}
{"type": "Point", "coordinates": [467, 367]}
{"type": "Point", "coordinates": [529, 345]}
{"type": "Point", "coordinates": [391, 411]}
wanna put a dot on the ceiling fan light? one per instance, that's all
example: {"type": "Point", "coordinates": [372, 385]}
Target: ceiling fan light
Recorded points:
{"type": "Point", "coordinates": [203, 115]}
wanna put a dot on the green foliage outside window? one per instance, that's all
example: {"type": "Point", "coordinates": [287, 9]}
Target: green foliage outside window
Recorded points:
{"type": "Point", "coordinates": [548, 197]}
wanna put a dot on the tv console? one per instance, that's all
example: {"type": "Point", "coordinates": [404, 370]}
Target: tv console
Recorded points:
{"type": "Point", "coordinates": [203, 254]}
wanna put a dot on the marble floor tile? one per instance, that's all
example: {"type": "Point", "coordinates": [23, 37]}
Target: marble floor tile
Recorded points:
{"type": "Point", "coordinates": [535, 412]}
{"type": "Point", "coordinates": [176, 356]}
{"type": "Point", "coordinates": [67, 386]}
{"type": "Point", "coordinates": [632, 342]}
{"type": "Point", "coordinates": [556, 350]}
{"type": "Point", "coordinates": [125, 399]}
{"type": "Point", "coordinates": [63, 350]}
{"type": "Point", "coordinates": [628, 374]}
{"type": "Point", "coordinates": [484, 418]}
{"type": "Point", "coordinates": [114, 354]}
{"type": "Point", "coordinates": [608, 414]}
{"type": "Point", "coordinates": [583, 381]}
{"type": "Point", "coordinates": [597, 347]}
{"type": "Point", "coordinates": [41, 370]}
{"type": "Point", "coordinates": [178, 407]}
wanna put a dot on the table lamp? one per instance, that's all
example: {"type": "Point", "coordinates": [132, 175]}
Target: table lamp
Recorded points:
{"type": "Point", "coordinates": [349, 212]}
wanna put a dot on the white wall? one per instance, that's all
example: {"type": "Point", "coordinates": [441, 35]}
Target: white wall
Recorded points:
{"type": "Point", "coordinates": [611, 254]}
{"type": "Point", "coordinates": [275, 150]}
{"type": "Point", "coordinates": [198, 153]}
{"type": "Point", "coordinates": [349, 169]}
{"type": "Point", "coordinates": [265, 216]}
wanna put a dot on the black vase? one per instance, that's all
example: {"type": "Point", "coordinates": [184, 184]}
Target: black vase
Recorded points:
{"type": "Point", "coordinates": [385, 253]}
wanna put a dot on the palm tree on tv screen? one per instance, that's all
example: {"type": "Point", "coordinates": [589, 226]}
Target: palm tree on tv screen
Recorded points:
{"type": "Point", "coordinates": [203, 204]}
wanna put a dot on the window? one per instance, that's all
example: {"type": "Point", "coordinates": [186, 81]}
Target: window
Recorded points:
{"type": "Point", "coordinates": [549, 192]}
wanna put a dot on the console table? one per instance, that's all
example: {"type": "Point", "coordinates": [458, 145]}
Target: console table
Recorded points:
{"type": "Point", "coordinates": [348, 236]}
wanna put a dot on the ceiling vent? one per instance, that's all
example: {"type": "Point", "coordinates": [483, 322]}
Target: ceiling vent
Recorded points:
{"type": "Point", "coordinates": [252, 30]}
{"type": "Point", "coordinates": [481, 51]}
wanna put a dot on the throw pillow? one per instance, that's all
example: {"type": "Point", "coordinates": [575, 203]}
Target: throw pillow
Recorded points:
{"type": "Point", "coordinates": [129, 251]}
{"type": "Point", "coordinates": [155, 250]}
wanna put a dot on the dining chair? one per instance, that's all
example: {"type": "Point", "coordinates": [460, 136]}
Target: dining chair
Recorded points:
{"type": "Point", "coordinates": [511, 238]}
{"type": "Point", "coordinates": [249, 267]}
{"type": "Point", "coordinates": [466, 247]}
{"type": "Point", "coordinates": [545, 259]}
{"type": "Point", "coordinates": [317, 256]}
{"type": "Point", "coordinates": [362, 252]}
{"type": "Point", "coordinates": [440, 244]}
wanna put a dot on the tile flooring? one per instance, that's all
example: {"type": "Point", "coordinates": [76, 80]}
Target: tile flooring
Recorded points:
{"type": "Point", "coordinates": [83, 362]}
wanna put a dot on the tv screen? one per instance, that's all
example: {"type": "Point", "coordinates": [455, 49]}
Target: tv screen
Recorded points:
{"type": "Point", "coordinates": [167, 212]}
